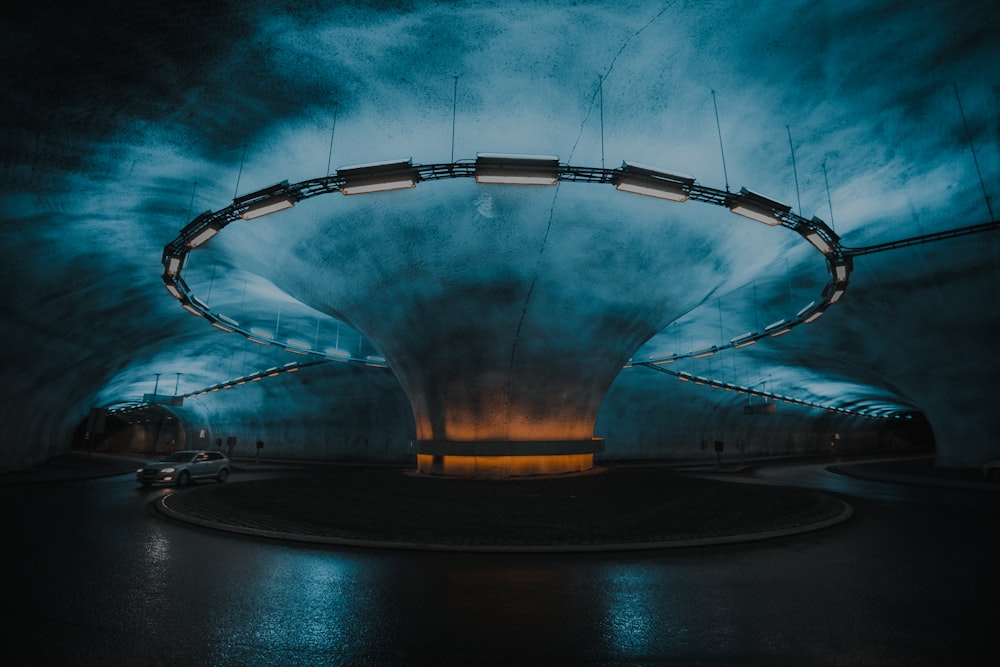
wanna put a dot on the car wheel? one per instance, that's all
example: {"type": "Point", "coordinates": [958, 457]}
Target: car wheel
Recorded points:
{"type": "Point", "coordinates": [994, 474]}
{"type": "Point", "coordinates": [223, 474]}
{"type": "Point", "coordinates": [184, 478]}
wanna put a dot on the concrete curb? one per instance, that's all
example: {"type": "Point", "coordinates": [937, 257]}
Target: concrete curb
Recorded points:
{"type": "Point", "coordinates": [845, 513]}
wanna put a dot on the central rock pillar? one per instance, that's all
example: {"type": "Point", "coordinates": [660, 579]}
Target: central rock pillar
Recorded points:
{"type": "Point", "coordinates": [505, 312]}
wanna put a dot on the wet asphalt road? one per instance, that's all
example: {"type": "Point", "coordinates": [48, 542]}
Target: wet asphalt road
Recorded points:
{"type": "Point", "coordinates": [95, 577]}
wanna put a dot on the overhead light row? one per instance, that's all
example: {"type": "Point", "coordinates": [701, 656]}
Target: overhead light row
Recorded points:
{"type": "Point", "coordinates": [684, 376]}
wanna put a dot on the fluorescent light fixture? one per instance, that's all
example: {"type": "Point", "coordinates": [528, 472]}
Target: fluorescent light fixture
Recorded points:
{"type": "Point", "coordinates": [294, 350]}
{"type": "Point", "coordinates": [806, 309]}
{"type": "Point", "coordinates": [757, 207]}
{"type": "Point", "coordinates": [815, 316]}
{"type": "Point", "coordinates": [781, 332]}
{"type": "Point", "coordinates": [174, 292]}
{"type": "Point", "coordinates": [191, 309]}
{"type": "Point", "coordinates": [240, 381]}
{"type": "Point", "coordinates": [819, 242]}
{"type": "Point", "coordinates": [700, 380]}
{"type": "Point", "coordinates": [835, 296]}
{"type": "Point", "coordinates": [263, 334]}
{"type": "Point", "coordinates": [665, 360]}
{"type": "Point", "coordinates": [704, 352]}
{"type": "Point", "coordinates": [517, 169]}
{"type": "Point", "coordinates": [774, 325]}
{"type": "Point", "coordinates": [643, 180]}
{"type": "Point", "coordinates": [222, 327]}
{"type": "Point", "coordinates": [172, 265]}
{"type": "Point", "coordinates": [298, 343]}
{"type": "Point", "coordinates": [729, 386]}
{"type": "Point", "coordinates": [257, 378]}
{"type": "Point", "coordinates": [272, 372]}
{"type": "Point", "coordinates": [198, 302]}
{"type": "Point", "coordinates": [684, 376]}
{"type": "Point", "coordinates": [746, 343]}
{"type": "Point", "coordinates": [257, 340]}
{"type": "Point", "coordinates": [840, 272]}
{"type": "Point", "coordinates": [337, 354]}
{"type": "Point", "coordinates": [202, 236]}
{"type": "Point", "coordinates": [377, 177]}
{"type": "Point", "coordinates": [291, 367]}
{"type": "Point", "coordinates": [267, 207]}
{"type": "Point", "coordinates": [228, 320]}
{"type": "Point", "coordinates": [372, 357]}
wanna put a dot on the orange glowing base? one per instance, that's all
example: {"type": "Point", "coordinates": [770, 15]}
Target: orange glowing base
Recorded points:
{"type": "Point", "coordinates": [499, 460]}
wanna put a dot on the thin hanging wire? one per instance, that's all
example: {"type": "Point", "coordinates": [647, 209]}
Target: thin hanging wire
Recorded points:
{"type": "Point", "coordinates": [454, 116]}
{"type": "Point", "coordinates": [243, 159]}
{"type": "Point", "coordinates": [600, 86]}
{"type": "Point", "coordinates": [211, 282]}
{"type": "Point", "coordinates": [722, 150]}
{"type": "Point", "coordinates": [333, 131]}
{"type": "Point", "coordinates": [795, 171]}
{"type": "Point", "coordinates": [972, 148]}
{"type": "Point", "coordinates": [194, 186]}
{"type": "Point", "coordinates": [829, 201]}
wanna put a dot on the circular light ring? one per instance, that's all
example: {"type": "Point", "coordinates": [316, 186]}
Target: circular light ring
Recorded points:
{"type": "Point", "coordinates": [283, 195]}
{"type": "Point", "coordinates": [760, 393]}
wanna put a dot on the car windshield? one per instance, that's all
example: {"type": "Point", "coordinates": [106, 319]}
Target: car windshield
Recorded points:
{"type": "Point", "coordinates": [178, 457]}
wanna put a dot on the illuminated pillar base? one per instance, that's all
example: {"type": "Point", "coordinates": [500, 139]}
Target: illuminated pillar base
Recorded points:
{"type": "Point", "coordinates": [504, 459]}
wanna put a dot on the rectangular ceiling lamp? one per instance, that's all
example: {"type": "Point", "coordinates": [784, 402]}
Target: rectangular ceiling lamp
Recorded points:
{"type": "Point", "coordinates": [337, 354]}
{"type": "Point", "coordinates": [704, 352]}
{"type": "Point", "coordinates": [267, 207]}
{"type": "Point", "coordinates": [840, 272]}
{"type": "Point", "coordinates": [517, 169]}
{"type": "Point", "coordinates": [819, 242]}
{"type": "Point", "coordinates": [643, 180]}
{"type": "Point", "coordinates": [191, 309]}
{"type": "Point", "coordinates": [377, 177]}
{"type": "Point", "coordinates": [222, 327]}
{"type": "Point", "coordinates": [757, 207]}
{"type": "Point", "coordinates": [172, 264]}
{"type": "Point", "coordinates": [174, 292]}
{"type": "Point", "coordinates": [202, 236]}
{"type": "Point", "coordinates": [774, 325]}
{"type": "Point", "coordinates": [815, 316]}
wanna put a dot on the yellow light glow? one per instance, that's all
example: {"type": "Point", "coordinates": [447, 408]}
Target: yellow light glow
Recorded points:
{"type": "Point", "coordinates": [499, 467]}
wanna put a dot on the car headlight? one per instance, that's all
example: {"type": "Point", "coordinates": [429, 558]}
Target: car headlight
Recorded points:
{"type": "Point", "coordinates": [140, 469]}
{"type": "Point", "coordinates": [168, 470]}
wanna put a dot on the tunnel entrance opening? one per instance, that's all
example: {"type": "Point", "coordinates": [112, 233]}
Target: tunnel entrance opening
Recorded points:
{"type": "Point", "coordinates": [911, 432]}
{"type": "Point", "coordinates": [145, 429]}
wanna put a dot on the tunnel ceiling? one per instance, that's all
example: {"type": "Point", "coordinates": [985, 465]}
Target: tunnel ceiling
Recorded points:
{"type": "Point", "coordinates": [123, 122]}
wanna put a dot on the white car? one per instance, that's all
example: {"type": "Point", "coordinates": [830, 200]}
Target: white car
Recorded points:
{"type": "Point", "coordinates": [182, 468]}
{"type": "Point", "coordinates": [991, 470]}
